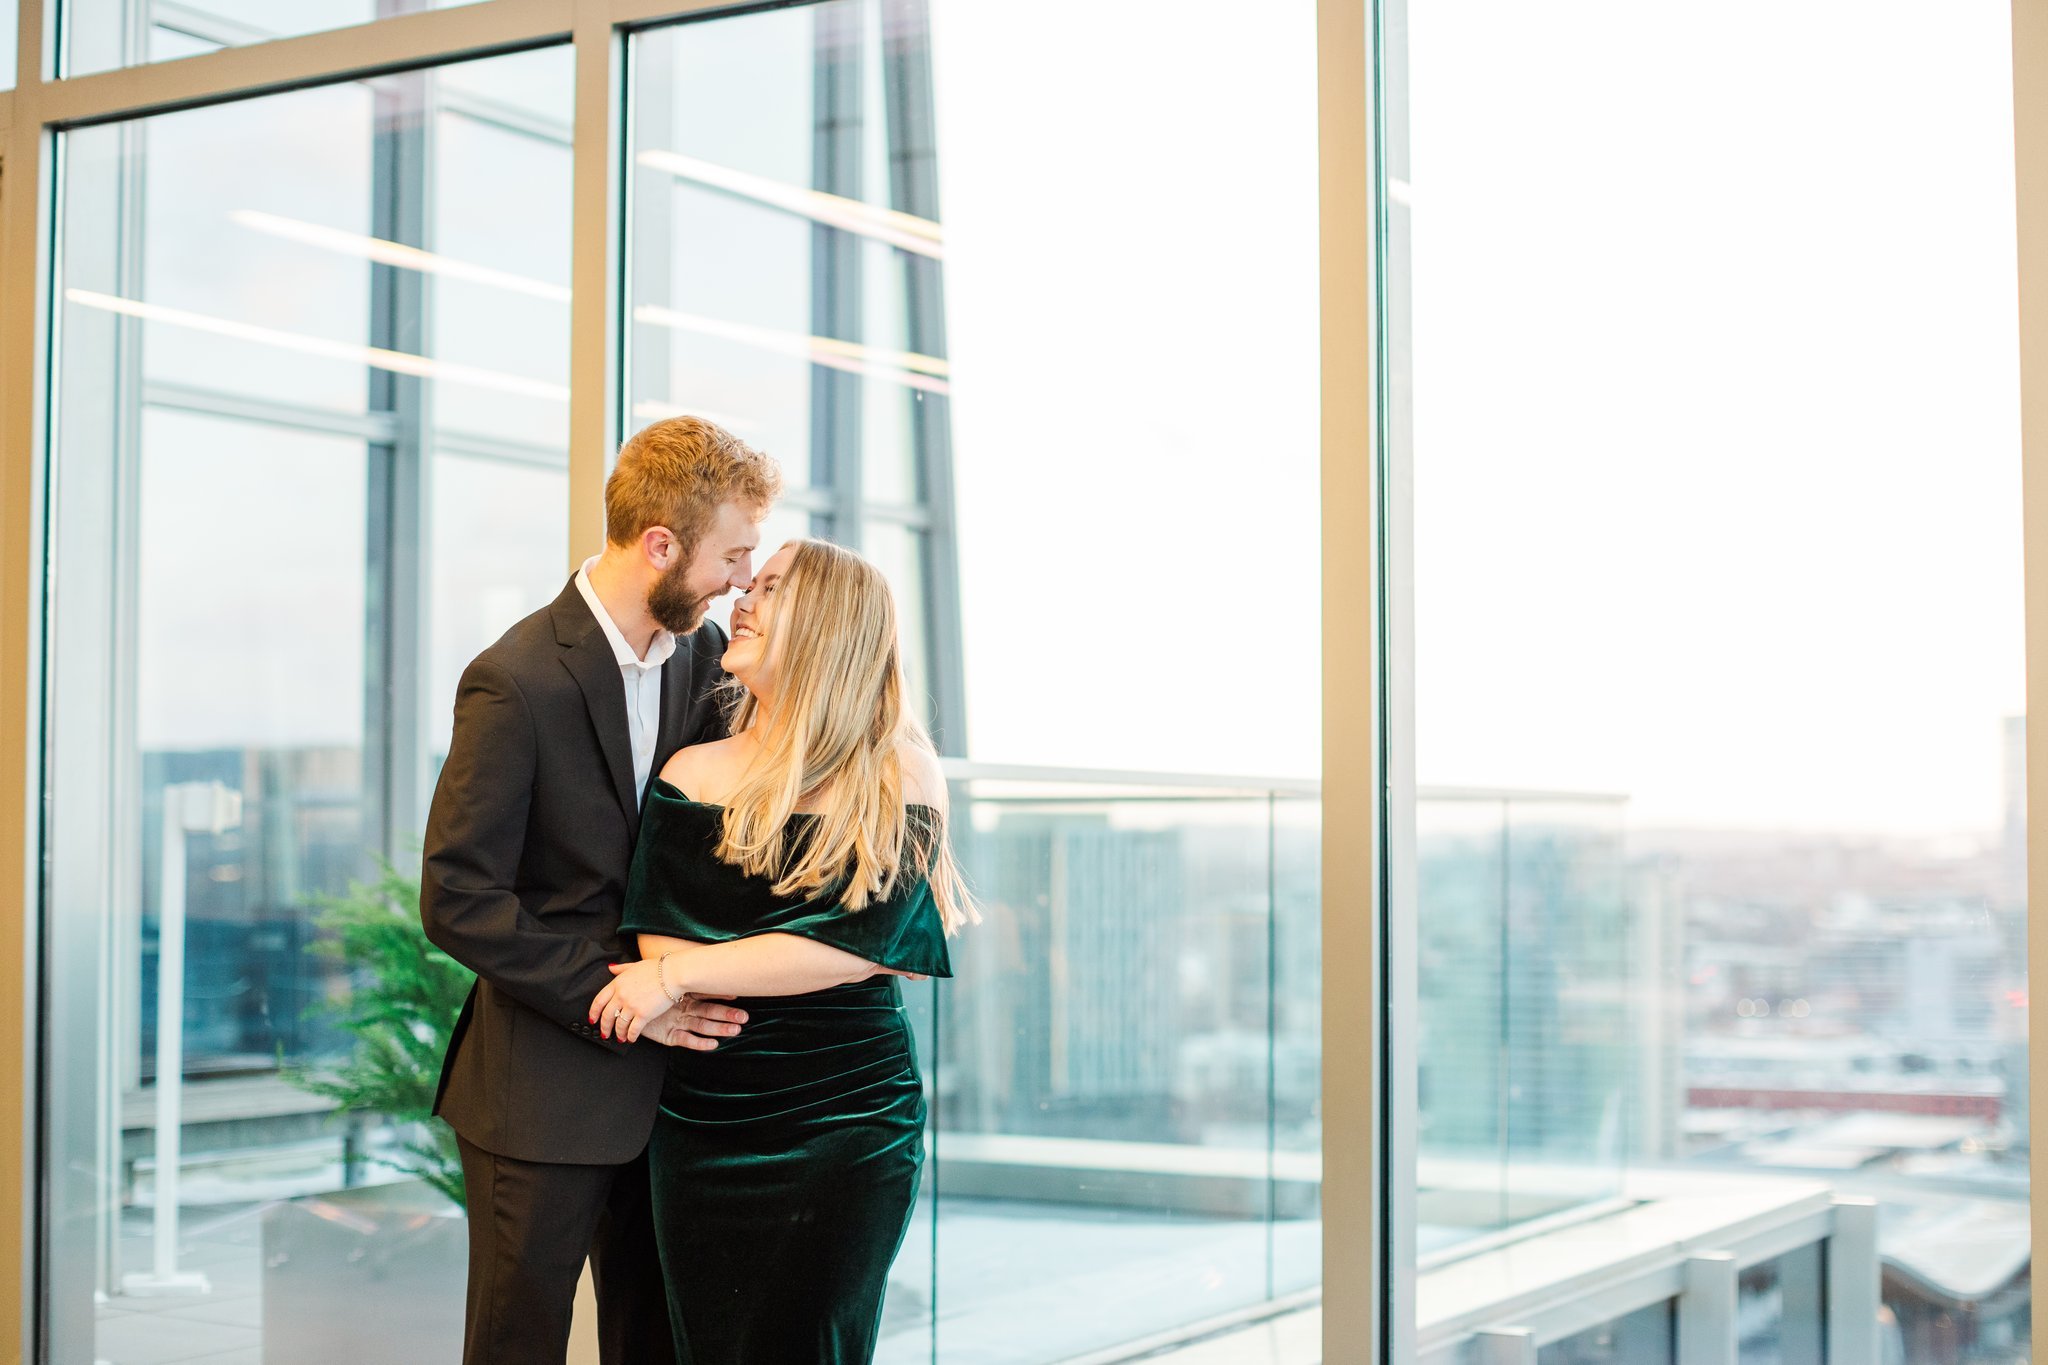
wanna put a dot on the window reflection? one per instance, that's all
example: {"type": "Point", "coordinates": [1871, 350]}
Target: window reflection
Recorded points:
{"type": "Point", "coordinates": [310, 457]}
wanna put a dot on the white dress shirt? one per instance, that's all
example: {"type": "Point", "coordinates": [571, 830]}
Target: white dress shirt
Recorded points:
{"type": "Point", "coordinates": [642, 678]}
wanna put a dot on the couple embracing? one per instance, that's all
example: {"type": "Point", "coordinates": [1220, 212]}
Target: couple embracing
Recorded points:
{"type": "Point", "coordinates": [687, 870]}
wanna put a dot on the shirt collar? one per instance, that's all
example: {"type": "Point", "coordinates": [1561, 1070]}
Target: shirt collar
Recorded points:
{"type": "Point", "coordinates": [663, 645]}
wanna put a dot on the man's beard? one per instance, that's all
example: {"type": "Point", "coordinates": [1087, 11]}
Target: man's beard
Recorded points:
{"type": "Point", "coordinates": [673, 606]}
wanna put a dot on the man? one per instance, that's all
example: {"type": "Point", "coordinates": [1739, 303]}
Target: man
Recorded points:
{"type": "Point", "coordinates": [559, 727]}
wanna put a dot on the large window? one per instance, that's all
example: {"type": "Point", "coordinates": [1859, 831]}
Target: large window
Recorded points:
{"type": "Point", "coordinates": [1018, 349]}
{"type": "Point", "coordinates": [1701, 710]}
{"type": "Point", "coordinates": [310, 456]}
{"type": "Point", "coordinates": [1715, 585]}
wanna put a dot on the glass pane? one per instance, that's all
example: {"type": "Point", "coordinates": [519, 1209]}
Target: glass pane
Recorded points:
{"type": "Point", "coordinates": [956, 308]}
{"type": "Point", "coordinates": [900, 553]}
{"type": "Point", "coordinates": [1101, 1124]}
{"type": "Point", "coordinates": [100, 35]}
{"type": "Point", "coordinates": [500, 548]}
{"type": "Point", "coordinates": [10, 19]}
{"type": "Point", "coordinates": [1717, 852]}
{"type": "Point", "coordinates": [1644, 1337]}
{"type": "Point", "coordinates": [1778, 1310]}
{"type": "Point", "coordinates": [302, 469]}
{"type": "Point", "coordinates": [274, 713]}
{"type": "Point", "coordinates": [503, 296]}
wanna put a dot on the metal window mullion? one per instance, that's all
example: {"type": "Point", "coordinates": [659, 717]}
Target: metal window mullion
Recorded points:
{"type": "Point", "coordinates": [913, 188]}
{"type": "Point", "coordinates": [596, 341]}
{"type": "Point", "coordinates": [25, 246]}
{"type": "Point", "coordinates": [29, 45]}
{"type": "Point", "coordinates": [1355, 1068]}
{"type": "Point", "coordinates": [837, 43]}
{"type": "Point", "coordinates": [2030, 149]}
{"type": "Point", "coordinates": [207, 27]}
{"type": "Point", "coordinates": [396, 43]}
{"type": "Point", "coordinates": [394, 708]}
{"type": "Point", "coordinates": [648, 269]}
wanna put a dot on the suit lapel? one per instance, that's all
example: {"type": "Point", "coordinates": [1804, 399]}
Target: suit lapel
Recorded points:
{"type": "Point", "coordinates": [675, 705]}
{"type": "Point", "coordinates": [590, 661]}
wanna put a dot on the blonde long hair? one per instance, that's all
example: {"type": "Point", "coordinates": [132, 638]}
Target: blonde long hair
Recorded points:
{"type": "Point", "coordinates": [832, 740]}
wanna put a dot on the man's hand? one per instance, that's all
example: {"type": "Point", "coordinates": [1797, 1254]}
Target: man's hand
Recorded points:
{"type": "Point", "coordinates": [698, 1023]}
{"type": "Point", "coordinates": [636, 998]}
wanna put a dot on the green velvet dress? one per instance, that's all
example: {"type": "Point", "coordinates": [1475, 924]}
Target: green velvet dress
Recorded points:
{"type": "Point", "coordinates": [785, 1162]}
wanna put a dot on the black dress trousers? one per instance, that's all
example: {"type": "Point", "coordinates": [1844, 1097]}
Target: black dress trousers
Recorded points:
{"type": "Point", "coordinates": [529, 1225]}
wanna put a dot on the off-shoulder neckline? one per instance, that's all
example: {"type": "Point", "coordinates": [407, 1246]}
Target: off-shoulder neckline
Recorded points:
{"type": "Point", "coordinates": [675, 793]}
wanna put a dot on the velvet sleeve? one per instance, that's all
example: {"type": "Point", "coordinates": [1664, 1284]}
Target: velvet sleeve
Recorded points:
{"type": "Point", "coordinates": [679, 887]}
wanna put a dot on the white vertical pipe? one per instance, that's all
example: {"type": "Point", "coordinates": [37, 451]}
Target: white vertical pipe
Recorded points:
{"type": "Point", "coordinates": [170, 1033]}
{"type": "Point", "coordinates": [188, 806]}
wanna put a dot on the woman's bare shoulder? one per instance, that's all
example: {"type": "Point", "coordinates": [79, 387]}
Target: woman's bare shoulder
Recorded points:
{"type": "Point", "coordinates": [924, 781]}
{"type": "Point", "coordinates": [699, 771]}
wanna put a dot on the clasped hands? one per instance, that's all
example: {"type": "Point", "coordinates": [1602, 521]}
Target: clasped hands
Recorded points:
{"type": "Point", "coordinates": [637, 1005]}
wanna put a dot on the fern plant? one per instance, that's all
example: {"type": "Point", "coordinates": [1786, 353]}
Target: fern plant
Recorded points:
{"type": "Point", "coordinates": [401, 1009]}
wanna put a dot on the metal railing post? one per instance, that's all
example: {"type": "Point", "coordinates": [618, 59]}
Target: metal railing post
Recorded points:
{"type": "Point", "coordinates": [1706, 1310]}
{"type": "Point", "coordinates": [1853, 1293]}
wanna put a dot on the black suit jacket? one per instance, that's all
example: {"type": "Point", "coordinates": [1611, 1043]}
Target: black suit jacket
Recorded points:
{"type": "Point", "coordinates": [528, 844]}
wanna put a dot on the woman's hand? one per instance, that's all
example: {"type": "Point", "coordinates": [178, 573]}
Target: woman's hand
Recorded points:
{"type": "Point", "coordinates": [637, 998]}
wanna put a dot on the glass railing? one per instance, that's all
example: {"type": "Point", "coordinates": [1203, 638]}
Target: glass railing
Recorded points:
{"type": "Point", "coordinates": [1527, 1061]}
{"type": "Point", "coordinates": [1124, 1070]}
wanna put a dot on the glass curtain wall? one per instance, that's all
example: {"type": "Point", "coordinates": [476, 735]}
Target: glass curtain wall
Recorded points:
{"type": "Point", "coordinates": [1710, 410]}
{"type": "Point", "coordinates": [1040, 358]}
{"type": "Point", "coordinates": [1050, 361]}
{"type": "Point", "coordinates": [309, 414]}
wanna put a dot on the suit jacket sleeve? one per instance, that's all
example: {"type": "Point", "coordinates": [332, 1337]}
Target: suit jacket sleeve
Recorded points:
{"type": "Point", "coordinates": [476, 831]}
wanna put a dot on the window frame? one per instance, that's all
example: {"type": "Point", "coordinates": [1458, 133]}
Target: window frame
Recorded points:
{"type": "Point", "coordinates": [1363, 511]}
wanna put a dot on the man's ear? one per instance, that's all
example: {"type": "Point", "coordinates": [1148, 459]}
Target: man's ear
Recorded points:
{"type": "Point", "coordinates": [659, 547]}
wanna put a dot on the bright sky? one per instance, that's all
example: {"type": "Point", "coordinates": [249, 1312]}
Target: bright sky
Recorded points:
{"type": "Point", "coordinates": [1717, 455]}
{"type": "Point", "coordinates": [1716, 432]}
{"type": "Point", "coordinates": [1131, 304]}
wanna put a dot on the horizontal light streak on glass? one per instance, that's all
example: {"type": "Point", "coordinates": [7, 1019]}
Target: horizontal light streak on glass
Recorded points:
{"type": "Point", "coordinates": [396, 254]}
{"type": "Point", "coordinates": [904, 230]}
{"type": "Point", "coordinates": [398, 362]}
{"type": "Point", "coordinates": [907, 368]}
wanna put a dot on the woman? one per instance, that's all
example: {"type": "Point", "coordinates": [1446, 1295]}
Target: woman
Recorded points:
{"type": "Point", "coordinates": [798, 866]}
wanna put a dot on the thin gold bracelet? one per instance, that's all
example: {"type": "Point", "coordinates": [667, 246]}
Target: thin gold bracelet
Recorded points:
{"type": "Point", "coordinates": [661, 977]}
